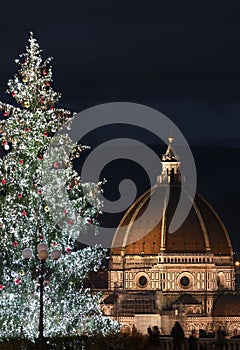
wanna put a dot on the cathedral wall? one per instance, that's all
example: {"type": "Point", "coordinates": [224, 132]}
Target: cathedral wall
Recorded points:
{"type": "Point", "coordinates": [142, 322]}
{"type": "Point", "coordinates": [189, 273]}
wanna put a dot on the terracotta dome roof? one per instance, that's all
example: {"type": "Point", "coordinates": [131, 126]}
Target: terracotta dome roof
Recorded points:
{"type": "Point", "coordinates": [227, 305]}
{"type": "Point", "coordinates": [202, 231]}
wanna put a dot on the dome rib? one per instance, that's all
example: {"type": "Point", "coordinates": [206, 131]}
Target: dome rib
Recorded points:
{"type": "Point", "coordinates": [118, 240]}
{"type": "Point", "coordinates": [139, 207]}
{"type": "Point", "coordinates": [201, 220]}
{"type": "Point", "coordinates": [225, 246]}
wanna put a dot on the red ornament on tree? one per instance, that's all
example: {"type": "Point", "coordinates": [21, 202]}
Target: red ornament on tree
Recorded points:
{"type": "Point", "coordinates": [3, 181]}
{"type": "Point", "coordinates": [27, 130]}
{"type": "Point", "coordinates": [70, 222]}
{"type": "Point", "coordinates": [68, 249]}
{"type": "Point", "coordinates": [21, 161]}
{"type": "Point", "coordinates": [6, 114]}
{"type": "Point", "coordinates": [45, 134]}
{"type": "Point", "coordinates": [13, 94]}
{"type": "Point", "coordinates": [54, 244]}
{"type": "Point", "coordinates": [17, 281]}
{"type": "Point", "coordinates": [44, 72]}
{"type": "Point", "coordinates": [55, 165]}
{"type": "Point", "coordinates": [40, 191]}
{"type": "Point", "coordinates": [47, 83]}
{"type": "Point", "coordinates": [15, 243]}
{"type": "Point", "coordinates": [19, 195]}
{"type": "Point", "coordinates": [24, 213]}
{"type": "Point", "coordinates": [1, 286]}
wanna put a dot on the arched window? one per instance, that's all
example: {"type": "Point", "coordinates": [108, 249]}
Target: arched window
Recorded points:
{"type": "Point", "coordinates": [235, 331]}
{"type": "Point", "coordinates": [191, 328]}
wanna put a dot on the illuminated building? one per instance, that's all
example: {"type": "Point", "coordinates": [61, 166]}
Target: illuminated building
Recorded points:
{"type": "Point", "coordinates": [156, 277]}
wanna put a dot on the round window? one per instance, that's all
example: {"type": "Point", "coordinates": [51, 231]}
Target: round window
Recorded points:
{"type": "Point", "coordinates": [185, 281]}
{"type": "Point", "coordinates": [142, 281]}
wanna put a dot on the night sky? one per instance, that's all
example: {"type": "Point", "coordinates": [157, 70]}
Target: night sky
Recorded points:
{"type": "Point", "coordinates": [179, 57]}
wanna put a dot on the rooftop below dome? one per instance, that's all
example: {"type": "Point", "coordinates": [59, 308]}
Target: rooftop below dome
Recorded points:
{"type": "Point", "coordinates": [227, 305]}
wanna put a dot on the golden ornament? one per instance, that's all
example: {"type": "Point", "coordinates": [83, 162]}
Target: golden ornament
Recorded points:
{"type": "Point", "coordinates": [46, 208]}
{"type": "Point", "coordinates": [24, 80]}
{"type": "Point", "coordinates": [27, 104]}
{"type": "Point", "coordinates": [21, 273]}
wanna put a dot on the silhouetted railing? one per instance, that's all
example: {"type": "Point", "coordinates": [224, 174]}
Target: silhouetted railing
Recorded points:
{"type": "Point", "coordinates": [203, 344]}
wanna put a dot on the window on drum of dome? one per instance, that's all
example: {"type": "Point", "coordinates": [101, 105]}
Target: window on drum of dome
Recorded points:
{"type": "Point", "coordinates": [142, 281]}
{"type": "Point", "coordinates": [184, 281]}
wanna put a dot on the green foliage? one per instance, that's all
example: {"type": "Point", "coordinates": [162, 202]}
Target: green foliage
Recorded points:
{"type": "Point", "coordinates": [98, 342]}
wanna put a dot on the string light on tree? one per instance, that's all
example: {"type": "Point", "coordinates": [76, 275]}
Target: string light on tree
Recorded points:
{"type": "Point", "coordinates": [27, 224]}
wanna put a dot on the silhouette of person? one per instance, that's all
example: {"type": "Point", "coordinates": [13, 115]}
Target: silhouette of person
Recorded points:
{"type": "Point", "coordinates": [192, 341]}
{"type": "Point", "coordinates": [220, 333]}
{"type": "Point", "coordinates": [153, 340]}
{"type": "Point", "coordinates": [220, 336]}
{"type": "Point", "coordinates": [178, 336]}
{"type": "Point", "coordinates": [202, 333]}
{"type": "Point", "coordinates": [134, 330]}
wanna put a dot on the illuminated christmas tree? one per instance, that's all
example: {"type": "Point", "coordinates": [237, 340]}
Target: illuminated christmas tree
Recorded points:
{"type": "Point", "coordinates": [36, 251]}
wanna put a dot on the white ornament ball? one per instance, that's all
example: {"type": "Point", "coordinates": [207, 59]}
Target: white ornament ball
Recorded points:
{"type": "Point", "coordinates": [27, 253]}
{"type": "Point", "coordinates": [56, 254]}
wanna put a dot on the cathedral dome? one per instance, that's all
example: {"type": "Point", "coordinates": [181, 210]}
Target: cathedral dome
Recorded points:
{"type": "Point", "coordinates": [227, 305]}
{"type": "Point", "coordinates": [202, 232]}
